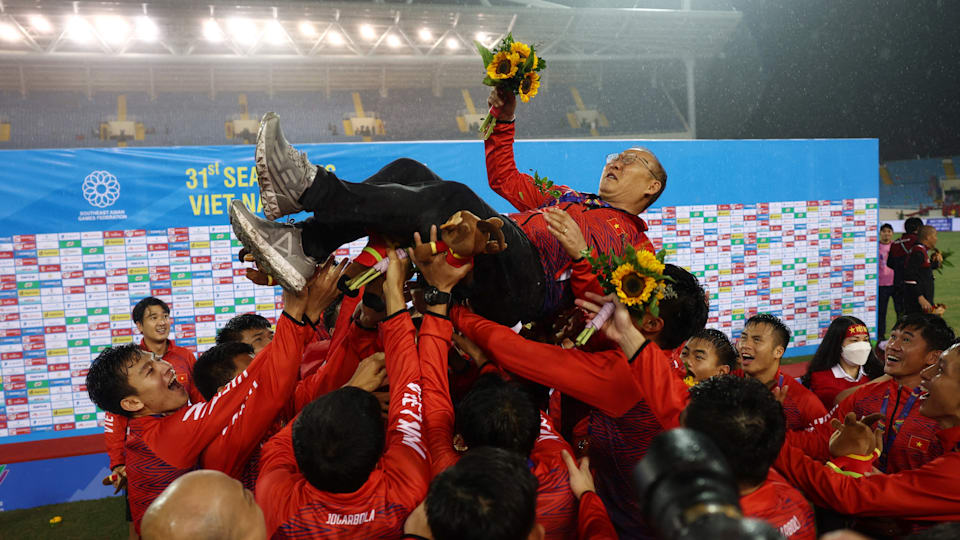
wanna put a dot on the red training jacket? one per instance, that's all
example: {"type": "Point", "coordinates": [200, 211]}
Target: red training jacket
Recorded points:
{"type": "Point", "coordinates": [914, 444]}
{"type": "Point", "coordinates": [295, 509]}
{"type": "Point", "coordinates": [556, 505]}
{"type": "Point", "coordinates": [827, 386]}
{"type": "Point", "coordinates": [930, 492]}
{"type": "Point", "coordinates": [115, 427]}
{"type": "Point", "coordinates": [604, 227]}
{"type": "Point", "coordinates": [635, 401]}
{"type": "Point", "coordinates": [162, 448]}
{"type": "Point", "coordinates": [782, 506]}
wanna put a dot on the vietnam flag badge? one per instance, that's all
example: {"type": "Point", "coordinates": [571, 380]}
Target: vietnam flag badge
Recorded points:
{"type": "Point", "coordinates": [917, 443]}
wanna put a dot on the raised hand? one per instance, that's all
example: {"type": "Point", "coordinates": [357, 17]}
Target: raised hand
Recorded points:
{"type": "Point", "coordinates": [435, 268]}
{"type": "Point", "coordinates": [855, 436]}
{"type": "Point", "coordinates": [323, 290]}
{"type": "Point", "coordinates": [370, 373]}
{"type": "Point", "coordinates": [620, 327]}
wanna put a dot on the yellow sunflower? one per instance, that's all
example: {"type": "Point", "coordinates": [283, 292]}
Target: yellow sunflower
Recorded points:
{"type": "Point", "coordinates": [529, 86]}
{"type": "Point", "coordinates": [524, 51]}
{"type": "Point", "coordinates": [633, 288]}
{"type": "Point", "coordinates": [503, 66]}
{"type": "Point", "coordinates": [648, 261]}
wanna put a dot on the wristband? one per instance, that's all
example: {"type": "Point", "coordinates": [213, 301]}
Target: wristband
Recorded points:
{"type": "Point", "coordinates": [854, 465]}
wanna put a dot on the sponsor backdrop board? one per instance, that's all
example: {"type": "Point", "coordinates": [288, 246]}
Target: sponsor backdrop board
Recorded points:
{"type": "Point", "coordinates": [787, 227]}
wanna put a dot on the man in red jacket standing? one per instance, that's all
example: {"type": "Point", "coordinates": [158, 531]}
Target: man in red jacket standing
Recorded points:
{"type": "Point", "coordinates": [519, 284]}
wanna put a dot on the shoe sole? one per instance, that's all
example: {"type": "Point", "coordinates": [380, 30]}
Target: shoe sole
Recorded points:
{"type": "Point", "coordinates": [268, 259]}
{"type": "Point", "coordinates": [263, 171]}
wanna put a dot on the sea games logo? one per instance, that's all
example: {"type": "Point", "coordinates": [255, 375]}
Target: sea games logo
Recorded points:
{"type": "Point", "coordinates": [101, 189]}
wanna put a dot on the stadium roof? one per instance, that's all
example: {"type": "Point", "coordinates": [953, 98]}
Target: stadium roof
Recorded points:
{"type": "Point", "coordinates": [298, 45]}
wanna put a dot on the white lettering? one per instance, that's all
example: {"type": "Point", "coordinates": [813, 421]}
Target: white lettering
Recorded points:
{"type": "Point", "coordinates": [790, 528]}
{"type": "Point", "coordinates": [351, 519]}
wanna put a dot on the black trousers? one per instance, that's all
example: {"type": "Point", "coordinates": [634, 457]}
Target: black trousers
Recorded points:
{"type": "Point", "coordinates": [884, 294]}
{"type": "Point", "coordinates": [406, 197]}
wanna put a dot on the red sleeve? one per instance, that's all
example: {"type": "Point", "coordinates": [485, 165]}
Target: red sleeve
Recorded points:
{"type": "Point", "coordinates": [665, 393]}
{"type": "Point", "coordinates": [438, 416]}
{"type": "Point", "coordinates": [180, 437]}
{"type": "Point", "coordinates": [271, 387]}
{"type": "Point", "coordinates": [115, 437]}
{"type": "Point", "coordinates": [927, 493]}
{"type": "Point", "coordinates": [502, 174]}
{"type": "Point", "coordinates": [343, 358]}
{"type": "Point", "coordinates": [406, 464]}
{"type": "Point", "coordinates": [815, 440]}
{"type": "Point", "coordinates": [583, 280]}
{"type": "Point", "coordinates": [593, 521]}
{"type": "Point", "coordinates": [602, 379]}
{"type": "Point", "coordinates": [277, 492]}
{"type": "Point", "coordinates": [808, 404]}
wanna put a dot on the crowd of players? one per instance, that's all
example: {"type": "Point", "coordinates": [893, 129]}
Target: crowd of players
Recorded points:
{"type": "Point", "coordinates": [400, 411]}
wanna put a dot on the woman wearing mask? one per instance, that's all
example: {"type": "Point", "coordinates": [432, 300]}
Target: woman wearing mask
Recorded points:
{"type": "Point", "coordinates": [844, 359]}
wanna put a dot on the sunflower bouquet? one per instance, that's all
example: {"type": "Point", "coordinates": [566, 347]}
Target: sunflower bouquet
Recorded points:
{"type": "Point", "coordinates": [638, 280]}
{"type": "Point", "coordinates": [511, 66]}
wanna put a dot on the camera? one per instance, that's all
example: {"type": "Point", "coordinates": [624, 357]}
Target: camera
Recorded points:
{"type": "Point", "coordinates": [687, 491]}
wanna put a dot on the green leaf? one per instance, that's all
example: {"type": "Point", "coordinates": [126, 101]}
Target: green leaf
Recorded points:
{"type": "Point", "coordinates": [527, 64]}
{"type": "Point", "coordinates": [489, 81]}
{"type": "Point", "coordinates": [485, 53]}
{"type": "Point", "coordinates": [541, 64]}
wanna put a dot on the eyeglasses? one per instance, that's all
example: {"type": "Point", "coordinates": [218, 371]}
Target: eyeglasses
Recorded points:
{"type": "Point", "coordinates": [627, 159]}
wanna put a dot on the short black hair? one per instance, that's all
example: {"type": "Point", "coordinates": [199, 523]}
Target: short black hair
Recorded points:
{"type": "Point", "coordinates": [726, 354]}
{"type": "Point", "coordinates": [912, 225]}
{"type": "Point", "coordinates": [780, 330]}
{"type": "Point", "coordinates": [933, 329]}
{"type": "Point", "coordinates": [683, 314]}
{"type": "Point", "coordinates": [107, 383]}
{"type": "Point", "coordinates": [886, 226]}
{"type": "Point", "coordinates": [233, 330]}
{"type": "Point", "coordinates": [338, 439]}
{"type": "Point", "coordinates": [216, 367]}
{"type": "Point", "coordinates": [739, 413]}
{"type": "Point", "coordinates": [489, 494]}
{"type": "Point", "coordinates": [142, 305]}
{"type": "Point", "coordinates": [498, 413]}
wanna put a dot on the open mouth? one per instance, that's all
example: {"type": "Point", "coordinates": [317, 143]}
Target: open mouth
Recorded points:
{"type": "Point", "coordinates": [174, 384]}
{"type": "Point", "coordinates": [610, 176]}
{"type": "Point", "coordinates": [892, 359]}
{"type": "Point", "coordinates": [745, 358]}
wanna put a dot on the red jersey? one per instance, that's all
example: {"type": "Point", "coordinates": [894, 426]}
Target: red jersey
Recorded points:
{"type": "Point", "coordinates": [782, 506]}
{"type": "Point", "coordinates": [801, 407]}
{"type": "Point", "coordinates": [592, 521]}
{"type": "Point", "coordinates": [827, 386]}
{"type": "Point", "coordinates": [635, 400]}
{"type": "Point", "coordinates": [295, 509]}
{"type": "Point", "coordinates": [911, 443]}
{"type": "Point", "coordinates": [604, 227]}
{"type": "Point", "coordinates": [230, 452]}
{"type": "Point", "coordinates": [556, 505]}
{"type": "Point", "coordinates": [115, 426]}
{"type": "Point", "coordinates": [930, 492]}
{"type": "Point", "coordinates": [162, 448]}
{"type": "Point", "coordinates": [350, 344]}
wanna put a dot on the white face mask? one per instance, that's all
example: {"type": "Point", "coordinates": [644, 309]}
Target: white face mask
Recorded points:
{"type": "Point", "coordinates": [857, 353]}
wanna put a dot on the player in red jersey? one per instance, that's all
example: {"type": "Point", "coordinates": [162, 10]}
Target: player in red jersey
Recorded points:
{"type": "Point", "coordinates": [166, 434]}
{"type": "Point", "coordinates": [910, 438]}
{"type": "Point", "coordinates": [332, 473]}
{"type": "Point", "coordinates": [930, 492]}
{"type": "Point", "coordinates": [762, 343]}
{"type": "Point", "coordinates": [626, 415]}
{"type": "Point", "coordinates": [152, 317]}
{"type": "Point", "coordinates": [490, 494]}
{"type": "Point", "coordinates": [736, 413]}
{"type": "Point", "coordinates": [493, 413]}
